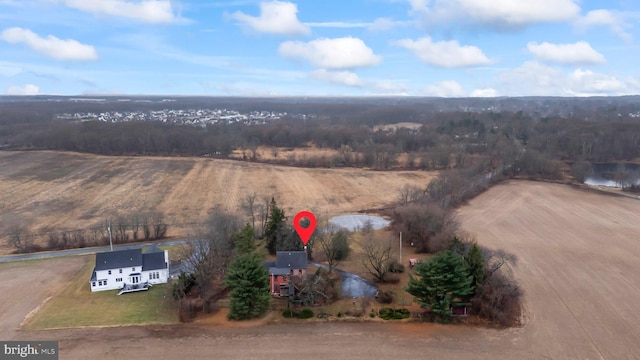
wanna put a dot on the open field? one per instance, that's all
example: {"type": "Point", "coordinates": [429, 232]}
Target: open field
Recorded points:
{"type": "Point", "coordinates": [579, 255]}
{"type": "Point", "coordinates": [26, 285]}
{"type": "Point", "coordinates": [76, 306]}
{"type": "Point", "coordinates": [52, 190]}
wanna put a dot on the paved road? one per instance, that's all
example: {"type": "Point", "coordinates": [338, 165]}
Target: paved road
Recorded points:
{"type": "Point", "coordinates": [84, 251]}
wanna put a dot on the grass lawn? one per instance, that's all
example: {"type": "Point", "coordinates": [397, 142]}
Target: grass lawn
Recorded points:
{"type": "Point", "coordinates": [75, 306]}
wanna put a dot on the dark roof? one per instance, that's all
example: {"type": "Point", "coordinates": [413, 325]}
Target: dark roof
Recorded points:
{"type": "Point", "coordinates": [291, 259]}
{"type": "Point", "coordinates": [153, 261]}
{"type": "Point", "coordinates": [118, 259]}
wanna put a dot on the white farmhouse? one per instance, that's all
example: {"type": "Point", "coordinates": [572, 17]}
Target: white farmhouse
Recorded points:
{"type": "Point", "coordinates": [129, 269]}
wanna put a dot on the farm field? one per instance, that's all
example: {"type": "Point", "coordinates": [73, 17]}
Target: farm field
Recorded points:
{"type": "Point", "coordinates": [578, 255]}
{"type": "Point", "coordinates": [64, 191]}
{"type": "Point", "coordinates": [578, 260]}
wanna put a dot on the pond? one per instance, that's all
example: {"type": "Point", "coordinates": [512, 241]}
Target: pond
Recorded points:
{"type": "Point", "coordinates": [603, 174]}
{"type": "Point", "coordinates": [355, 222]}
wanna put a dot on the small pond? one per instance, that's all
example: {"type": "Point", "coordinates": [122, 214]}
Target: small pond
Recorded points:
{"type": "Point", "coordinates": [604, 174]}
{"type": "Point", "coordinates": [355, 222]}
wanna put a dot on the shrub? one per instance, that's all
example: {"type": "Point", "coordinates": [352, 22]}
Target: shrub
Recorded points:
{"type": "Point", "coordinates": [306, 314]}
{"type": "Point", "coordinates": [288, 314]}
{"type": "Point", "coordinates": [498, 300]}
{"type": "Point", "coordinates": [394, 314]}
{"type": "Point", "coordinates": [183, 285]}
{"type": "Point", "coordinates": [396, 267]}
{"type": "Point", "coordinates": [339, 314]}
{"type": "Point", "coordinates": [385, 297]}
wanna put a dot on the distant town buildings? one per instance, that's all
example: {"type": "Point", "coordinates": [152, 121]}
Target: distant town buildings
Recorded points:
{"type": "Point", "coordinates": [200, 117]}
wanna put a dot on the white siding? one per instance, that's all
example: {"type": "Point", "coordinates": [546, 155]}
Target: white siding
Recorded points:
{"type": "Point", "coordinates": [112, 282]}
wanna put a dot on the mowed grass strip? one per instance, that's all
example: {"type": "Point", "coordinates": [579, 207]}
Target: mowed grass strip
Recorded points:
{"type": "Point", "coordinates": [76, 306]}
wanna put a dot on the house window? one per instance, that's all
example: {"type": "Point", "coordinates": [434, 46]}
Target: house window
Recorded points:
{"type": "Point", "coordinates": [105, 282]}
{"type": "Point", "coordinates": [118, 279]}
{"type": "Point", "coordinates": [93, 284]}
{"type": "Point", "coordinates": [120, 271]}
{"type": "Point", "coordinates": [109, 272]}
{"type": "Point", "coordinates": [133, 269]}
{"type": "Point", "coordinates": [99, 282]}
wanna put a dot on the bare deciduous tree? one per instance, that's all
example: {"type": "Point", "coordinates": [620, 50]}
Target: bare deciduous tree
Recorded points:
{"type": "Point", "coordinates": [20, 238]}
{"type": "Point", "coordinates": [334, 244]}
{"type": "Point", "coordinates": [495, 259]}
{"type": "Point", "coordinates": [249, 206]}
{"type": "Point", "coordinates": [376, 257]}
{"type": "Point", "coordinates": [209, 256]}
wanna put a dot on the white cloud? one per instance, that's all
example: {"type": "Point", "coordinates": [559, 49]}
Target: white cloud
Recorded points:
{"type": "Point", "coordinates": [447, 88]}
{"type": "Point", "coordinates": [151, 11]}
{"type": "Point", "coordinates": [338, 24]}
{"type": "Point", "coordinates": [535, 79]}
{"type": "Point", "coordinates": [448, 54]}
{"type": "Point", "coordinates": [496, 13]}
{"type": "Point", "coordinates": [50, 46]}
{"type": "Point", "coordinates": [338, 53]}
{"type": "Point", "coordinates": [28, 89]}
{"type": "Point", "coordinates": [488, 92]}
{"type": "Point", "coordinates": [587, 83]}
{"type": "Point", "coordinates": [276, 17]}
{"type": "Point", "coordinates": [337, 77]}
{"type": "Point", "coordinates": [383, 24]}
{"type": "Point", "coordinates": [613, 20]}
{"type": "Point", "coordinates": [579, 53]}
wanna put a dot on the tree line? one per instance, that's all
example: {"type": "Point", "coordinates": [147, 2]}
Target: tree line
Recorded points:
{"type": "Point", "coordinates": [447, 139]}
{"type": "Point", "coordinates": [119, 230]}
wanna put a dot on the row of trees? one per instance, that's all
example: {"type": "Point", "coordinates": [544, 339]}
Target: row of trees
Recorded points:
{"type": "Point", "coordinates": [121, 230]}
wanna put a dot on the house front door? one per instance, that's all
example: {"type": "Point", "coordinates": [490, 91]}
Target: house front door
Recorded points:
{"type": "Point", "coordinates": [134, 278]}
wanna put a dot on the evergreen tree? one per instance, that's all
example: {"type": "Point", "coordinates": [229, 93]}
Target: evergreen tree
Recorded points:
{"type": "Point", "coordinates": [249, 283]}
{"type": "Point", "coordinates": [275, 224]}
{"type": "Point", "coordinates": [442, 279]}
{"type": "Point", "coordinates": [243, 241]}
{"type": "Point", "coordinates": [475, 265]}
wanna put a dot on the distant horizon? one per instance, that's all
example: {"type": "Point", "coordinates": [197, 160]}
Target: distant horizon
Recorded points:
{"type": "Point", "coordinates": [304, 48]}
{"type": "Point", "coordinates": [169, 96]}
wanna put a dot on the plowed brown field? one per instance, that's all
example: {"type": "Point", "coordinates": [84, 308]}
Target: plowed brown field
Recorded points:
{"type": "Point", "coordinates": [59, 191]}
{"type": "Point", "coordinates": [579, 263]}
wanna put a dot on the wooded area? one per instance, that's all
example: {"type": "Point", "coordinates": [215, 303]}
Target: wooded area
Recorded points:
{"type": "Point", "coordinates": [448, 134]}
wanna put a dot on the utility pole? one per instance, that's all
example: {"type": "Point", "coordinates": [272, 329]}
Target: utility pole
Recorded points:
{"type": "Point", "coordinates": [400, 247]}
{"type": "Point", "coordinates": [110, 240]}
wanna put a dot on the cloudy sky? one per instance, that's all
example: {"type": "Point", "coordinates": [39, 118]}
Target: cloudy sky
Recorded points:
{"type": "Point", "coordinates": [448, 48]}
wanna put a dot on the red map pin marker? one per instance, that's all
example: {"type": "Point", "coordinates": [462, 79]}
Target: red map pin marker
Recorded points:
{"type": "Point", "coordinates": [304, 232]}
